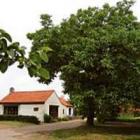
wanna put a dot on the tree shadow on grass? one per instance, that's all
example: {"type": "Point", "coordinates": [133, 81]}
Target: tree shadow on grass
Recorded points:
{"type": "Point", "coordinates": [109, 128]}
{"type": "Point", "coordinates": [118, 128]}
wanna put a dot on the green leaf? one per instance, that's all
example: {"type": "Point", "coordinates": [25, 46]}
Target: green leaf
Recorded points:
{"type": "Point", "coordinates": [44, 73]}
{"type": "Point", "coordinates": [15, 46]}
{"type": "Point", "coordinates": [20, 66]}
{"type": "Point", "coordinates": [11, 53]}
{"type": "Point", "coordinates": [3, 44]}
{"type": "Point", "coordinates": [5, 35]}
{"type": "Point", "coordinates": [46, 49]}
{"type": "Point", "coordinates": [32, 71]}
{"type": "Point", "coordinates": [3, 66]}
{"type": "Point", "coordinates": [43, 56]}
{"type": "Point", "coordinates": [35, 58]}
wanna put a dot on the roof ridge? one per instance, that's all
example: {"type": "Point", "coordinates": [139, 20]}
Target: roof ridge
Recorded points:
{"type": "Point", "coordinates": [64, 101]}
{"type": "Point", "coordinates": [26, 96]}
{"type": "Point", "coordinates": [33, 91]}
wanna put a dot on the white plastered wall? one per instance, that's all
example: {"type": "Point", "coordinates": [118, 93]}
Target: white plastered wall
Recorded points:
{"type": "Point", "coordinates": [28, 110]}
{"type": "Point", "coordinates": [1, 109]}
{"type": "Point", "coordinates": [54, 100]}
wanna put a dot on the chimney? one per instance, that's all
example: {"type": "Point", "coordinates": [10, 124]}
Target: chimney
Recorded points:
{"type": "Point", "coordinates": [11, 89]}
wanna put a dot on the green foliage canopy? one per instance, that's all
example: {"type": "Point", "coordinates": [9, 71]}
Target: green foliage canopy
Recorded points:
{"type": "Point", "coordinates": [97, 51]}
{"type": "Point", "coordinates": [45, 58]}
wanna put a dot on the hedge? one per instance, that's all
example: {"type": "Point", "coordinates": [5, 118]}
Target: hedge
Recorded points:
{"type": "Point", "coordinates": [47, 118]}
{"type": "Point", "coordinates": [30, 119]}
{"type": "Point", "coordinates": [137, 113]}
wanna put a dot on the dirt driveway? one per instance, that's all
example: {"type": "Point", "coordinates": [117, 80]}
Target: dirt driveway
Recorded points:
{"type": "Point", "coordinates": [24, 132]}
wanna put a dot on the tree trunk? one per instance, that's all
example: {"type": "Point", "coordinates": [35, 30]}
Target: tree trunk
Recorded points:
{"type": "Point", "coordinates": [90, 120]}
{"type": "Point", "coordinates": [90, 110]}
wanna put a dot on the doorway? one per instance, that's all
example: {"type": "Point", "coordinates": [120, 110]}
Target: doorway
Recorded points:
{"type": "Point", "coordinates": [53, 111]}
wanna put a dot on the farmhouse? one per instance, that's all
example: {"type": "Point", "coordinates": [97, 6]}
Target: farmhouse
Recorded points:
{"type": "Point", "coordinates": [35, 103]}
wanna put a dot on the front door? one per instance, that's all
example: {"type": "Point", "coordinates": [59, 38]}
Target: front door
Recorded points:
{"type": "Point", "coordinates": [53, 111]}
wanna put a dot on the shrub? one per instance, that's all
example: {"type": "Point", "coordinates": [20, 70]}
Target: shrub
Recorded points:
{"type": "Point", "coordinates": [59, 119]}
{"type": "Point", "coordinates": [65, 119]}
{"type": "Point", "coordinates": [137, 113]}
{"type": "Point", "coordinates": [47, 118]}
{"type": "Point", "coordinates": [125, 116]}
{"type": "Point", "coordinates": [30, 119]}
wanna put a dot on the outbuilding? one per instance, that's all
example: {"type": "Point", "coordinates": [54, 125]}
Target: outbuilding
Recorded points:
{"type": "Point", "coordinates": [35, 103]}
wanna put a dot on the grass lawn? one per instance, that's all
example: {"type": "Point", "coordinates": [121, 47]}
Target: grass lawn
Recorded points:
{"type": "Point", "coordinates": [97, 133]}
{"type": "Point", "coordinates": [128, 118]}
{"type": "Point", "coordinates": [13, 124]}
{"type": "Point", "coordinates": [109, 131]}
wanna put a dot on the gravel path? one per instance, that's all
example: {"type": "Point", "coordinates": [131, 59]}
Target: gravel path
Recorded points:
{"type": "Point", "coordinates": [16, 133]}
{"type": "Point", "coordinates": [9, 134]}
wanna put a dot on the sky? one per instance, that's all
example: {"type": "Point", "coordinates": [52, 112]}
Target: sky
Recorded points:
{"type": "Point", "coordinates": [19, 17]}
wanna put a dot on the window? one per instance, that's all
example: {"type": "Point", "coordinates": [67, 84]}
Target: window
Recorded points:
{"type": "Point", "coordinates": [10, 110]}
{"type": "Point", "coordinates": [69, 111]}
{"type": "Point", "coordinates": [36, 108]}
{"type": "Point", "coordinates": [63, 111]}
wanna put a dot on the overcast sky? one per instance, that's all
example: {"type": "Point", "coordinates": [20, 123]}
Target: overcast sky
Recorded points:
{"type": "Point", "coordinates": [19, 17]}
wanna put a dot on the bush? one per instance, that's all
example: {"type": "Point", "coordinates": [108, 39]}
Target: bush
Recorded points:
{"type": "Point", "coordinates": [59, 119]}
{"type": "Point", "coordinates": [47, 118]}
{"type": "Point", "coordinates": [125, 116]}
{"type": "Point", "coordinates": [137, 113]}
{"type": "Point", "coordinates": [65, 119]}
{"type": "Point", "coordinates": [20, 118]}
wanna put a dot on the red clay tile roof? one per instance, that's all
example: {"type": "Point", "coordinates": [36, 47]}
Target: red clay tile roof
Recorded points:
{"type": "Point", "coordinates": [27, 97]}
{"type": "Point", "coordinates": [64, 102]}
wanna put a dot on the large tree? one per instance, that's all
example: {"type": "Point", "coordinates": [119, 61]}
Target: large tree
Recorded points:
{"type": "Point", "coordinates": [97, 51]}
{"type": "Point", "coordinates": [10, 52]}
